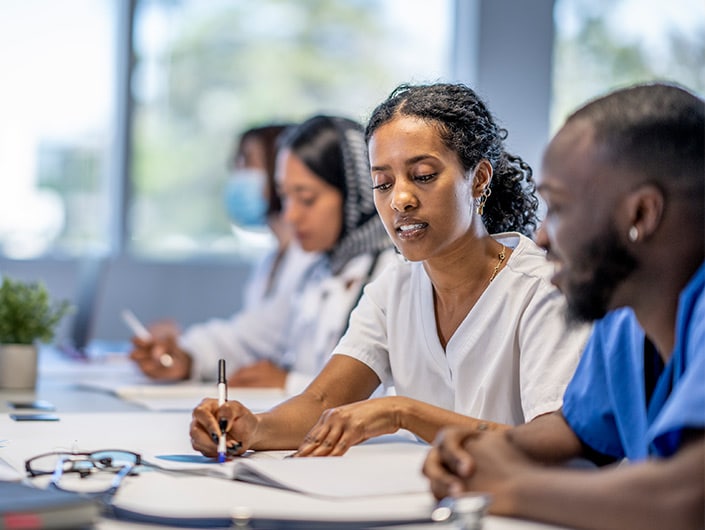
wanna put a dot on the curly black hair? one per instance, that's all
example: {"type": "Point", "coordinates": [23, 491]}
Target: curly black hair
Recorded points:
{"type": "Point", "coordinates": [467, 127]}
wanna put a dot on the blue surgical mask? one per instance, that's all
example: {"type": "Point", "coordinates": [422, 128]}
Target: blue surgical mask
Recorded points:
{"type": "Point", "coordinates": [244, 198]}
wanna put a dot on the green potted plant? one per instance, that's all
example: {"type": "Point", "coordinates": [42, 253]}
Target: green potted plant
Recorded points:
{"type": "Point", "coordinates": [27, 316]}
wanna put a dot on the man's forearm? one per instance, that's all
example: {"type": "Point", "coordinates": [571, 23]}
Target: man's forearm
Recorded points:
{"type": "Point", "coordinates": [668, 493]}
{"type": "Point", "coordinates": [547, 439]}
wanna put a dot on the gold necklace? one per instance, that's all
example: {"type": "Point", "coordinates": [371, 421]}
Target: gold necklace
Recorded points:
{"type": "Point", "coordinates": [501, 256]}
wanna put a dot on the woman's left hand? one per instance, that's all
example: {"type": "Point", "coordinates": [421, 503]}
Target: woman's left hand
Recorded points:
{"type": "Point", "coordinates": [341, 427]}
{"type": "Point", "coordinates": [262, 374]}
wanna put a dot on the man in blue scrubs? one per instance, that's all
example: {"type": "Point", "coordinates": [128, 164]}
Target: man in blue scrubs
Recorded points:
{"type": "Point", "coordinates": [624, 183]}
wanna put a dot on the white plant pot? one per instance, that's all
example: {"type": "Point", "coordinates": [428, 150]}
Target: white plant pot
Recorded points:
{"type": "Point", "coordinates": [18, 366]}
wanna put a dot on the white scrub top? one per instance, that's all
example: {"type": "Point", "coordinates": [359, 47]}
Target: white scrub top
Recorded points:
{"type": "Point", "coordinates": [509, 360]}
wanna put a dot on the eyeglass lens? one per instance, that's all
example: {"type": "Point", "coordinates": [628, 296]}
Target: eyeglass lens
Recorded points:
{"type": "Point", "coordinates": [82, 463]}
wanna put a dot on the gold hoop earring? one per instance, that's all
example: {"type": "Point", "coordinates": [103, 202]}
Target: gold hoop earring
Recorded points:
{"type": "Point", "coordinates": [480, 209]}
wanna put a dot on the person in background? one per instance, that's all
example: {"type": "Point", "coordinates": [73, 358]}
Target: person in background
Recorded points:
{"type": "Point", "coordinates": [252, 203]}
{"type": "Point", "coordinates": [624, 183]}
{"type": "Point", "coordinates": [468, 330]}
{"type": "Point", "coordinates": [322, 175]}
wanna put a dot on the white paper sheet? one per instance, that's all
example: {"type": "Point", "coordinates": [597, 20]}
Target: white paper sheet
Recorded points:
{"type": "Point", "coordinates": [170, 397]}
{"type": "Point", "coordinates": [356, 474]}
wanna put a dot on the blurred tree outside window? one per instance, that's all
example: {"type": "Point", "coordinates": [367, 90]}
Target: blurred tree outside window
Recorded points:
{"type": "Point", "coordinates": [605, 44]}
{"type": "Point", "coordinates": [204, 71]}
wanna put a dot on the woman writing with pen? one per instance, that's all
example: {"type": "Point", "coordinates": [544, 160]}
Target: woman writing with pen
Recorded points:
{"type": "Point", "coordinates": [322, 174]}
{"type": "Point", "coordinates": [468, 331]}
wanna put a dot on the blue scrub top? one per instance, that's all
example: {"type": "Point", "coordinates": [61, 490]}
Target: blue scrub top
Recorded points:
{"type": "Point", "coordinates": [605, 403]}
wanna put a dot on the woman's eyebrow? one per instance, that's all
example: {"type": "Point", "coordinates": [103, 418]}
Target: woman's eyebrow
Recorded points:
{"type": "Point", "coordinates": [408, 162]}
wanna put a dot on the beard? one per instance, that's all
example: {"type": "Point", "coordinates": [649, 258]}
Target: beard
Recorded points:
{"type": "Point", "coordinates": [610, 262]}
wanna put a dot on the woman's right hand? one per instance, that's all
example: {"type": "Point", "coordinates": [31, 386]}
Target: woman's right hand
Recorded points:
{"type": "Point", "coordinates": [161, 358]}
{"type": "Point", "coordinates": [239, 423]}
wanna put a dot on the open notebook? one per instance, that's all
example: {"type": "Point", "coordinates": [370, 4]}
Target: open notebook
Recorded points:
{"type": "Point", "coordinates": [206, 502]}
{"type": "Point", "coordinates": [375, 484]}
{"type": "Point", "coordinates": [387, 465]}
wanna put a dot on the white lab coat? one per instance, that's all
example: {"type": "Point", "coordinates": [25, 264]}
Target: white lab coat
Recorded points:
{"type": "Point", "coordinates": [293, 265]}
{"type": "Point", "coordinates": [219, 336]}
{"type": "Point", "coordinates": [296, 330]}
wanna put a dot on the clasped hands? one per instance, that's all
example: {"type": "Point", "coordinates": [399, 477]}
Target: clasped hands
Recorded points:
{"type": "Point", "coordinates": [464, 459]}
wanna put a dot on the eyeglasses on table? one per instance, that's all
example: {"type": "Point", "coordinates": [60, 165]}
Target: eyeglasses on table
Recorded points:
{"type": "Point", "coordinates": [70, 471]}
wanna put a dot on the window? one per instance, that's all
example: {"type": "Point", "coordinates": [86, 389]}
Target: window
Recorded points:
{"type": "Point", "coordinates": [604, 44]}
{"type": "Point", "coordinates": [56, 101]}
{"type": "Point", "coordinates": [206, 70]}
{"type": "Point", "coordinates": [202, 71]}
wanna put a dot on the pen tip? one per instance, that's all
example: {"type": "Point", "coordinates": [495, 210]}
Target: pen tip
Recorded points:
{"type": "Point", "coordinates": [221, 458]}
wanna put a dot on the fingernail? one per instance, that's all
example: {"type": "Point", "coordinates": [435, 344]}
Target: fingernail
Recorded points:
{"type": "Point", "coordinates": [215, 437]}
{"type": "Point", "coordinates": [234, 448]}
{"type": "Point", "coordinates": [223, 423]}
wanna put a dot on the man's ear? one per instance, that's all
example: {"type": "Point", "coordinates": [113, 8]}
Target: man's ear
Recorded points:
{"type": "Point", "coordinates": [645, 210]}
{"type": "Point", "coordinates": [481, 177]}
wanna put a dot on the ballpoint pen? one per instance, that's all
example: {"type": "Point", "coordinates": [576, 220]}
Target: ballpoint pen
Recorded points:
{"type": "Point", "coordinates": [135, 325]}
{"type": "Point", "coordinates": [222, 398]}
{"type": "Point", "coordinates": [143, 333]}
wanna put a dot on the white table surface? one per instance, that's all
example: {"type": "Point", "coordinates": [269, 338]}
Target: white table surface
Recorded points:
{"type": "Point", "coordinates": [92, 420]}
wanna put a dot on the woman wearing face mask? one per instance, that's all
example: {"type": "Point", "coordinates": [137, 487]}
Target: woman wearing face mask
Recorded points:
{"type": "Point", "coordinates": [468, 331]}
{"type": "Point", "coordinates": [253, 205]}
{"type": "Point", "coordinates": [323, 178]}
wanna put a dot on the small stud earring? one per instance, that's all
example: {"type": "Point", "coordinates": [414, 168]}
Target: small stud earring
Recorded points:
{"type": "Point", "coordinates": [633, 234]}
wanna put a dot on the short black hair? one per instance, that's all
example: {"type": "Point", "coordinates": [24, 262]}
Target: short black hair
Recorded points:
{"type": "Point", "coordinates": [655, 129]}
{"type": "Point", "coordinates": [317, 142]}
